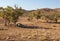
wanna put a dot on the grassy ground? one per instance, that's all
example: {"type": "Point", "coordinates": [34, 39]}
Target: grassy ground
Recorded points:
{"type": "Point", "coordinates": [52, 31]}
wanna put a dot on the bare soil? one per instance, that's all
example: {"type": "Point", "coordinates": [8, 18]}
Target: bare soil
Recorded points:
{"type": "Point", "coordinates": [30, 34]}
{"type": "Point", "coordinates": [43, 32]}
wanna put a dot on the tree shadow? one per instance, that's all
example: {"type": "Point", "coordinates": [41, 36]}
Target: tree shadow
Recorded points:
{"type": "Point", "coordinates": [31, 27]}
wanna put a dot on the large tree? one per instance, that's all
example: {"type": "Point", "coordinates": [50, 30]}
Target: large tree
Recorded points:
{"type": "Point", "coordinates": [10, 14]}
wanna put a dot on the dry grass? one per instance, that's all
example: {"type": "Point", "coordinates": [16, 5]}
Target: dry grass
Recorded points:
{"type": "Point", "coordinates": [25, 34]}
{"type": "Point", "coordinates": [50, 30]}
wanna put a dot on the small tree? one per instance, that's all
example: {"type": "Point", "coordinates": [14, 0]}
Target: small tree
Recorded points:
{"type": "Point", "coordinates": [37, 15]}
{"type": "Point", "coordinates": [30, 15]}
{"type": "Point", "coordinates": [16, 13]}
{"type": "Point", "coordinates": [4, 15]}
{"type": "Point", "coordinates": [7, 15]}
{"type": "Point", "coordinates": [53, 16]}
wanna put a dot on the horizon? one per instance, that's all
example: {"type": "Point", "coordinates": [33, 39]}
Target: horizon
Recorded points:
{"type": "Point", "coordinates": [31, 4]}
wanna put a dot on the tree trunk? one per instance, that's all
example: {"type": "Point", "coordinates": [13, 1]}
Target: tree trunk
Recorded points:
{"type": "Point", "coordinates": [7, 22]}
{"type": "Point", "coordinates": [56, 20]}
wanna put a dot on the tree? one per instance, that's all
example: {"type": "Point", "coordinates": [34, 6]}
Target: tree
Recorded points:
{"type": "Point", "coordinates": [3, 15]}
{"type": "Point", "coordinates": [53, 16]}
{"type": "Point", "coordinates": [16, 13]}
{"type": "Point", "coordinates": [56, 16]}
{"type": "Point", "coordinates": [10, 14]}
{"type": "Point", "coordinates": [7, 15]}
{"type": "Point", "coordinates": [31, 15]}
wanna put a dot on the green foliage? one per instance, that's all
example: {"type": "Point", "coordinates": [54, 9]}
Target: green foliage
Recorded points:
{"type": "Point", "coordinates": [17, 12]}
{"type": "Point", "coordinates": [45, 15]}
{"type": "Point", "coordinates": [10, 14]}
{"type": "Point", "coordinates": [36, 15]}
{"type": "Point", "coordinates": [53, 16]}
{"type": "Point", "coordinates": [31, 15]}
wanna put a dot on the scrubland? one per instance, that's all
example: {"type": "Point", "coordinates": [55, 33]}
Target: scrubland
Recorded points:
{"type": "Point", "coordinates": [44, 32]}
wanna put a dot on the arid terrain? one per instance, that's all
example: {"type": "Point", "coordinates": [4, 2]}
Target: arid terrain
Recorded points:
{"type": "Point", "coordinates": [43, 32]}
{"type": "Point", "coordinates": [29, 20]}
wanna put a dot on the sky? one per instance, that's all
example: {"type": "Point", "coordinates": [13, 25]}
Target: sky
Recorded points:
{"type": "Point", "coordinates": [31, 4]}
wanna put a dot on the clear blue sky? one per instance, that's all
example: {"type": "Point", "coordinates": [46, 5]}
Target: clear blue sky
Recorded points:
{"type": "Point", "coordinates": [31, 4]}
